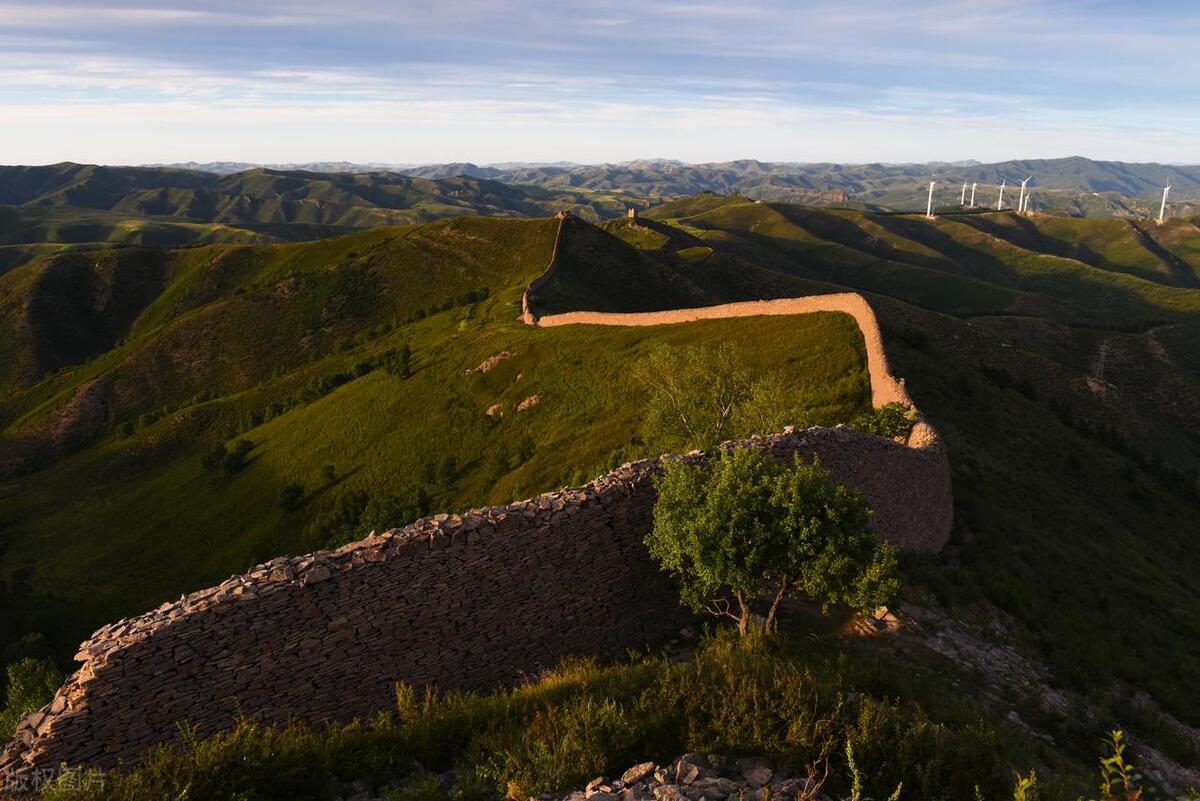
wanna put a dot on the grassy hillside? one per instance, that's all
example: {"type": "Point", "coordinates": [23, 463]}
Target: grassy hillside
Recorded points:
{"type": "Point", "coordinates": [296, 349]}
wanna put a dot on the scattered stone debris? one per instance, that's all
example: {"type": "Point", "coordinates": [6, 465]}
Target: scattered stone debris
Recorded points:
{"type": "Point", "coordinates": [490, 362]}
{"type": "Point", "coordinates": [693, 777]}
{"type": "Point", "coordinates": [880, 621]}
{"type": "Point", "coordinates": [530, 402]}
{"type": "Point", "coordinates": [495, 410]}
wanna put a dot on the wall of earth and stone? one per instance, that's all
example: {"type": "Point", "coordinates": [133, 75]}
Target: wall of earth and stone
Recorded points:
{"type": "Point", "coordinates": [467, 601]}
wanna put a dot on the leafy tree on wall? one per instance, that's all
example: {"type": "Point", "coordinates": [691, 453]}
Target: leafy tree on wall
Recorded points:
{"type": "Point", "coordinates": [756, 529]}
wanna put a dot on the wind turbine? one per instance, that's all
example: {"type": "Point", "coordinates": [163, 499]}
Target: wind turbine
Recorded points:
{"type": "Point", "coordinates": [973, 194]}
{"type": "Point", "coordinates": [929, 205]}
{"type": "Point", "coordinates": [1000, 202]}
{"type": "Point", "coordinates": [962, 201]}
{"type": "Point", "coordinates": [1162, 210]}
{"type": "Point", "coordinates": [1021, 202]}
{"type": "Point", "coordinates": [1028, 197]}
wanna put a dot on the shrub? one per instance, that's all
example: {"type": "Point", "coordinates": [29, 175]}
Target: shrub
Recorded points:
{"type": "Point", "coordinates": [393, 511]}
{"type": "Point", "coordinates": [31, 683]}
{"type": "Point", "coordinates": [214, 458]}
{"type": "Point", "coordinates": [291, 496]}
{"type": "Point", "coordinates": [235, 460]}
{"type": "Point", "coordinates": [755, 528]}
{"type": "Point", "coordinates": [398, 362]}
{"type": "Point", "coordinates": [892, 420]}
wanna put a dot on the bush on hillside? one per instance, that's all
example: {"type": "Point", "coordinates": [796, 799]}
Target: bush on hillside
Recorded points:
{"type": "Point", "coordinates": [236, 459]}
{"type": "Point", "coordinates": [214, 457]}
{"type": "Point", "coordinates": [753, 528]}
{"type": "Point", "coordinates": [31, 684]}
{"type": "Point", "coordinates": [291, 496]}
{"type": "Point", "coordinates": [893, 420]}
{"type": "Point", "coordinates": [398, 361]}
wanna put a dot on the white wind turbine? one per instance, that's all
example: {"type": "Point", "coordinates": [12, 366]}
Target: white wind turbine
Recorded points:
{"type": "Point", "coordinates": [1021, 202]}
{"type": "Point", "coordinates": [962, 201]}
{"type": "Point", "coordinates": [973, 194]}
{"type": "Point", "coordinates": [929, 205]}
{"type": "Point", "coordinates": [1000, 202]}
{"type": "Point", "coordinates": [1162, 210]}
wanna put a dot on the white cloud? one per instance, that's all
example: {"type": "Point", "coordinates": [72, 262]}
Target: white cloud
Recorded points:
{"type": "Point", "coordinates": [596, 80]}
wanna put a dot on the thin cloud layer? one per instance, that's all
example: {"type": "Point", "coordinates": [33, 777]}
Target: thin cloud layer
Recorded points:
{"type": "Point", "coordinates": [595, 81]}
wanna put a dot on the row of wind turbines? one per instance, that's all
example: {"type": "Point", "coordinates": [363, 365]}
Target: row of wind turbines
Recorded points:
{"type": "Point", "coordinates": [1023, 201]}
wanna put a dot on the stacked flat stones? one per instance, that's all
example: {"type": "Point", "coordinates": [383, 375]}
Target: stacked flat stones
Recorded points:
{"type": "Point", "coordinates": [693, 777]}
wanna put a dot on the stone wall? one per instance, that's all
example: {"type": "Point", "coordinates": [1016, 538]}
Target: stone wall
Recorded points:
{"type": "Point", "coordinates": [457, 601]}
{"type": "Point", "coordinates": [467, 601]}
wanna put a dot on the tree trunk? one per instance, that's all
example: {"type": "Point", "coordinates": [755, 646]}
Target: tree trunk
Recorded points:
{"type": "Point", "coordinates": [783, 585]}
{"type": "Point", "coordinates": [744, 617]}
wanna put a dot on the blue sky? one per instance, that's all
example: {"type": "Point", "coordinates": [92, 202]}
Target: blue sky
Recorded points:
{"type": "Point", "coordinates": [597, 80]}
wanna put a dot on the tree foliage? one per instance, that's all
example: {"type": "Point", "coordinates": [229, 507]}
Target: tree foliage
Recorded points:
{"type": "Point", "coordinates": [698, 397]}
{"type": "Point", "coordinates": [755, 528]}
{"type": "Point", "coordinates": [31, 683]}
{"type": "Point", "coordinates": [236, 459]}
{"type": "Point", "coordinates": [891, 420]}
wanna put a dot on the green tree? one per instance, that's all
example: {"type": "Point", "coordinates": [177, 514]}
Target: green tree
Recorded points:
{"type": "Point", "coordinates": [391, 511]}
{"type": "Point", "coordinates": [768, 407]}
{"type": "Point", "coordinates": [753, 528]}
{"type": "Point", "coordinates": [31, 683]}
{"type": "Point", "coordinates": [399, 362]}
{"type": "Point", "coordinates": [692, 394]}
{"type": "Point", "coordinates": [291, 496]}
{"type": "Point", "coordinates": [890, 420]}
{"type": "Point", "coordinates": [235, 459]}
{"type": "Point", "coordinates": [214, 458]}
{"type": "Point", "coordinates": [448, 472]}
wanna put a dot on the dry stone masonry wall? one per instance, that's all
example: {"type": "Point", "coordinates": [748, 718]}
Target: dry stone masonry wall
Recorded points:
{"type": "Point", "coordinates": [466, 601]}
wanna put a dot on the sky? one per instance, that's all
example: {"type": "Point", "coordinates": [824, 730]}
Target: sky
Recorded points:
{"type": "Point", "coordinates": [128, 82]}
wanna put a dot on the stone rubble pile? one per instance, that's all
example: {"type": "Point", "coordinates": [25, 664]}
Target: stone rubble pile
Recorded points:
{"type": "Point", "coordinates": [693, 777]}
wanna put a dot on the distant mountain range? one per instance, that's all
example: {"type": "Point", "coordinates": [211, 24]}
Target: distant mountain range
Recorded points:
{"type": "Point", "coordinates": [70, 206]}
{"type": "Point", "coordinates": [1075, 185]}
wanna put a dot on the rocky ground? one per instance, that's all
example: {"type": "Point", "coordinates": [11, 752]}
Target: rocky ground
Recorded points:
{"type": "Point", "coordinates": [693, 777]}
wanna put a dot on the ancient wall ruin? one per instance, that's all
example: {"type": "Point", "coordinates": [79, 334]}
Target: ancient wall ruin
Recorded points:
{"type": "Point", "coordinates": [465, 601]}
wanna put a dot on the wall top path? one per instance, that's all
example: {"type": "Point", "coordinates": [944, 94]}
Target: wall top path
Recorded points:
{"type": "Point", "coordinates": [885, 387]}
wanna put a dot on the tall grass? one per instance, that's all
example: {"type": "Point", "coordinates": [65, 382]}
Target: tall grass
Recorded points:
{"type": "Point", "coordinates": [759, 696]}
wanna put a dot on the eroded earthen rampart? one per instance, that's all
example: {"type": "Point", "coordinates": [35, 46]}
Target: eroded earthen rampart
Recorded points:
{"type": "Point", "coordinates": [465, 601]}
